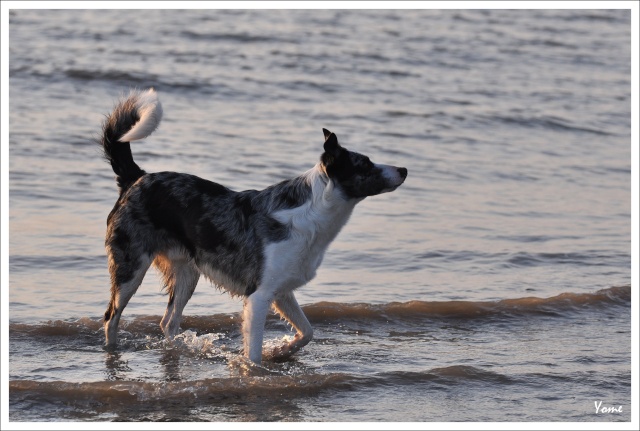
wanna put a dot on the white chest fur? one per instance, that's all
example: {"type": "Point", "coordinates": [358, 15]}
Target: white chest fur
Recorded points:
{"type": "Point", "coordinates": [292, 263]}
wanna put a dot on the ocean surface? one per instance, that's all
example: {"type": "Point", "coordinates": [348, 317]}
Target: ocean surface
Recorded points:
{"type": "Point", "coordinates": [494, 285]}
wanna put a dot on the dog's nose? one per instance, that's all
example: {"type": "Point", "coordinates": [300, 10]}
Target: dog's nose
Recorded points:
{"type": "Point", "coordinates": [403, 172]}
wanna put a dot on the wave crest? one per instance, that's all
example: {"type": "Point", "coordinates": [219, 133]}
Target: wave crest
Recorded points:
{"type": "Point", "coordinates": [323, 312]}
{"type": "Point", "coordinates": [560, 304]}
{"type": "Point", "coordinates": [211, 389]}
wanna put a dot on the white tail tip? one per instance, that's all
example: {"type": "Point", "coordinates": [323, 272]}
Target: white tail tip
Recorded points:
{"type": "Point", "coordinates": [149, 110]}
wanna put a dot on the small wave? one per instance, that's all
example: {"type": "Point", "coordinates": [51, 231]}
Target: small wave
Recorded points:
{"type": "Point", "coordinates": [144, 79]}
{"type": "Point", "coordinates": [55, 328]}
{"type": "Point", "coordinates": [55, 262]}
{"type": "Point", "coordinates": [138, 327]}
{"type": "Point", "coordinates": [209, 389]}
{"type": "Point", "coordinates": [546, 122]}
{"type": "Point", "coordinates": [559, 304]}
{"type": "Point", "coordinates": [535, 259]}
{"type": "Point", "coordinates": [579, 258]}
{"type": "Point", "coordinates": [235, 37]}
{"type": "Point", "coordinates": [450, 375]}
{"type": "Point", "coordinates": [323, 312]}
{"type": "Point", "coordinates": [591, 258]}
{"type": "Point", "coordinates": [303, 85]}
{"type": "Point", "coordinates": [594, 16]}
{"type": "Point", "coordinates": [112, 75]}
{"type": "Point", "coordinates": [551, 43]}
{"type": "Point", "coordinates": [220, 389]}
{"type": "Point", "coordinates": [469, 373]}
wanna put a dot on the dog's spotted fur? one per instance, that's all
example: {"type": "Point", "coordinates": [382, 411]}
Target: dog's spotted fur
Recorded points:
{"type": "Point", "coordinates": [258, 244]}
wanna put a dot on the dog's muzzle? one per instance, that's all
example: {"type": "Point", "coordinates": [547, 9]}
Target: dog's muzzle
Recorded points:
{"type": "Point", "coordinates": [395, 177]}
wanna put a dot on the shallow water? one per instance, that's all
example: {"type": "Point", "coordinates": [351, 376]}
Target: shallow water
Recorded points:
{"type": "Point", "coordinates": [509, 356]}
{"type": "Point", "coordinates": [494, 285]}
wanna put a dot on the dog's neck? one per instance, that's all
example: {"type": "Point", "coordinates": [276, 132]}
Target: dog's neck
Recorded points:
{"type": "Point", "coordinates": [326, 211]}
{"type": "Point", "coordinates": [328, 208]}
{"type": "Point", "coordinates": [325, 193]}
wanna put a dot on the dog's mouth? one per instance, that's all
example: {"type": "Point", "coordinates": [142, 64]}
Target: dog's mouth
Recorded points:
{"type": "Point", "coordinates": [390, 189]}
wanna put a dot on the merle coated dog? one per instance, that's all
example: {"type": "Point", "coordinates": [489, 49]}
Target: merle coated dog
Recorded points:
{"type": "Point", "coordinates": [261, 245]}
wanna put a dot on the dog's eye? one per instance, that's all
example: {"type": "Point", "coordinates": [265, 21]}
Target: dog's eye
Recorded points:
{"type": "Point", "coordinates": [364, 167]}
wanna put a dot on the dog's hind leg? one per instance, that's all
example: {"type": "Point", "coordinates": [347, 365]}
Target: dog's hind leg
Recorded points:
{"type": "Point", "coordinates": [126, 277]}
{"type": "Point", "coordinates": [287, 306]}
{"type": "Point", "coordinates": [181, 277]}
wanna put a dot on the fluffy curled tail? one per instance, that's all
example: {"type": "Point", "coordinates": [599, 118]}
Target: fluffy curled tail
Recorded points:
{"type": "Point", "coordinates": [134, 117]}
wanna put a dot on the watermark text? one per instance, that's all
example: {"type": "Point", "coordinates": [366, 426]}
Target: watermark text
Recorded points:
{"type": "Point", "coordinates": [606, 409]}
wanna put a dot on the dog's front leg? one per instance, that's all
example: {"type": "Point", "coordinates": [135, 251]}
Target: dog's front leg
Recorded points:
{"type": "Point", "coordinates": [287, 306]}
{"type": "Point", "coordinates": [256, 307]}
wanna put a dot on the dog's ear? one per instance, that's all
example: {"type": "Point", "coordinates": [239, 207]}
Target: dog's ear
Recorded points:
{"type": "Point", "coordinates": [331, 145]}
{"type": "Point", "coordinates": [332, 149]}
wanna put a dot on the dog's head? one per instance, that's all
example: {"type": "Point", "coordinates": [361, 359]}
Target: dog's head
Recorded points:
{"type": "Point", "coordinates": [356, 175]}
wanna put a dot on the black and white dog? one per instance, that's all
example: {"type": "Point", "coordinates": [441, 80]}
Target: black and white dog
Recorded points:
{"type": "Point", "coordinates": [258, 244]}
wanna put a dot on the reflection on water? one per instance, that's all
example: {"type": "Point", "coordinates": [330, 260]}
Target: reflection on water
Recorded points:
{"type": "Point", "coordinates": [116, 368]}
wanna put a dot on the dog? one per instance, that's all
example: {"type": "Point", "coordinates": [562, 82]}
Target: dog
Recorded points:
{"type": "Point", "coordinates": [261, 245]}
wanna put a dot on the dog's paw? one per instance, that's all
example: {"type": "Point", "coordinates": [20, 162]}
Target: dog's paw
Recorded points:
{"type": "Point", "coordinates": [281, 353]}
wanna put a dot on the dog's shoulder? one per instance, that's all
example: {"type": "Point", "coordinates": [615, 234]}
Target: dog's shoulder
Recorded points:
{"type": "Point", "coordinates": [286, 194]}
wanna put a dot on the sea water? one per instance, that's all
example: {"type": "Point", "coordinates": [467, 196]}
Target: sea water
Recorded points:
{"type": "Point", "coordinates": [494, 285]}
